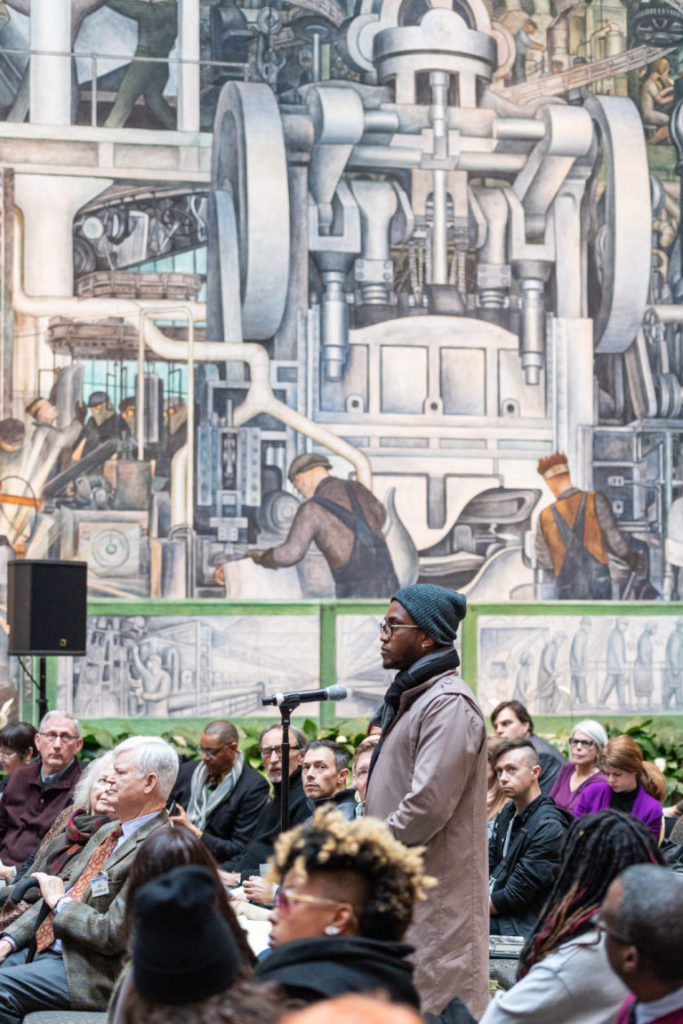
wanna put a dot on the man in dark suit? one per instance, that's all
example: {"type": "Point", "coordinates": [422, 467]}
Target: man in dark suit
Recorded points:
{"type": "Point", "coordinates": [70, 959]}
{"type": "Point", "coordinates": [220, 797]}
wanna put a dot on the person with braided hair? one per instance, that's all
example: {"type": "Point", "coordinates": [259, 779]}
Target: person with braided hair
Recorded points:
{"type": "Point", "coordinates": [563, 971]}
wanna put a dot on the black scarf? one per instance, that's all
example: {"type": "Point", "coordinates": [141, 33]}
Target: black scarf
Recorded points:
{"type": "Point", "coordinates": [443, 659]}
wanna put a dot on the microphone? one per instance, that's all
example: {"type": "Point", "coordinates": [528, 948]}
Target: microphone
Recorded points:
{"type": "Point", "coordinates": [336, 692]}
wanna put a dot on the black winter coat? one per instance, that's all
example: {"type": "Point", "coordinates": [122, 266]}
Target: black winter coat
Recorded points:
{"type": "Point", "coordinates": [231, 825]}
{"type": "Point", "coordinates": [521, 880]}
{"type": "Point", "coordinates": [267, 828]}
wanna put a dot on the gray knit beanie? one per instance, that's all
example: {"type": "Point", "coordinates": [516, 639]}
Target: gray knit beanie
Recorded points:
{"type": "Point", "coordinates": [436, 610]}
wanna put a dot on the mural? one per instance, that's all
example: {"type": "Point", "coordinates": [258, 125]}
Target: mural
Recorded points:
{"type": "Point", "coordinates": [421, 246]}
{"type": "Point", "coordinates": [590, 665]}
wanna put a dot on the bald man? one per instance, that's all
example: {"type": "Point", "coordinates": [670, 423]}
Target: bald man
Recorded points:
{"type": "Point", "coordinates": [220, 797]}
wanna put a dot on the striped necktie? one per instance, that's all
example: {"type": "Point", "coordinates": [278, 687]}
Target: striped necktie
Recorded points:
{"type": "Point", "coordinates": [45, 934]}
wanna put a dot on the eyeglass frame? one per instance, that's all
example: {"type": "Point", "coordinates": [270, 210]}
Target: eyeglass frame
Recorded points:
{"type": "Point", "coordinates": [602, 926]}
{"type": "Point", "coordinates": [574, 742]}
{"type": "Point", "coordinates": [267, 752]}
{"type": "Point", "coordinates": [8, 757]}
{"type": "Point", "coordinates": [284, 898]}
{"type": "Point", "coordinates": [386, 629]}
{"type": "Point", "coordinates": [52, 737]}
{"type": "Point", "coordinates": [205, 752]}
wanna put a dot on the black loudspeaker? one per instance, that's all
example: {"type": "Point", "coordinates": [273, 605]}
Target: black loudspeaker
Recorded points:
{"type": "Point", "coordinates": [46, 607]}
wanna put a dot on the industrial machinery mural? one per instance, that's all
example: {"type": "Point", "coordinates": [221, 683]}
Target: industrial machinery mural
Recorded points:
{"type": "Point", "coordinates": [439, 243]}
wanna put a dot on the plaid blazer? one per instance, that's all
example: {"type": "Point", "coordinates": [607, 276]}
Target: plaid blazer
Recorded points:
{"type": "Point", "coordinates": [92, 929]}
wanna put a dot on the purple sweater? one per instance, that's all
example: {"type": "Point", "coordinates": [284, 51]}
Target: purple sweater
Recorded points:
{"type": "Point", "coordinates": [563, 795]}
{"type": "Point", "coordinates": [596, 798]}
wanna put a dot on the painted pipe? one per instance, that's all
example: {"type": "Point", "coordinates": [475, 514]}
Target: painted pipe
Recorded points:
{"type": "Point", "coordinates": [260, 397]}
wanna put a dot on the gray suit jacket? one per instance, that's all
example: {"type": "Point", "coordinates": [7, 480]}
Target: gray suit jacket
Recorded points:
{"type": "Point", "coordinates": [92, 929]}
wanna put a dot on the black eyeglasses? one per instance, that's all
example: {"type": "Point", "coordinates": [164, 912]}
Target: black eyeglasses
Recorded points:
{"type": "Point", "coordinates": [267, 752]}
{"type": "Point", "coordinates": [386, 629]}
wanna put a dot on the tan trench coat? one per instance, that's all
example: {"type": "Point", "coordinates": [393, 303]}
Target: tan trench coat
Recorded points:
{"type": "Point", "coordinates": [429, 785]}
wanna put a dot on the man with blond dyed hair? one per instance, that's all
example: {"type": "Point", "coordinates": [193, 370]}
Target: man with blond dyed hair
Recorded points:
{"type": "Point", "coordinates": [576, 534]}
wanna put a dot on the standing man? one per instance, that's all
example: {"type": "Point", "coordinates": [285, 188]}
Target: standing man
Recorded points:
{"type": "Point", "coordinates": [157, 31]}
{"type": "Point", "coordinates": [617, 668]}
{"type": "Point", "coordinates": [512, 721]}
{"type": "Point", "coordinates": [524, 42]}
{"type": "Point", "coordinates": [578, 662]}
{"type": "Point", "coordinates": [80, 944]}
{"type": "Point", "coordinates": [153, 687]}
{"type": "Point", "coordinates": [345, 520]}
{"type": "Point", "coordinates": [34, 796]}
{"type": "Point", "coordinates": [548, 690]}
{"type": "Point", "coordinates": [428, 783]}
{"type": "Point", "coordinates": [575, 535]}
{"type": "Point", "coordinates": [672, 682]}
{"type": "Point", "coordinates": [643, 669]}
{"type": "Point", "coordinates": [220, 797]}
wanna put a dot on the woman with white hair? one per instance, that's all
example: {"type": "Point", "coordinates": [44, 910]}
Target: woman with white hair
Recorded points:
{"type": "Point", "coordinates": [587, 741]}
{"type": "Point", "coordinates": [90, 810]}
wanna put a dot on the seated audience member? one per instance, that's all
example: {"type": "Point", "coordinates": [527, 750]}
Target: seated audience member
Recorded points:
{"type": "Point", "coordinates": [164, 850]}
{"type": "Point", "coordinates": [267, 828]}
{"type": "Point", "coordinates": [346, 898]}
{"type": "Point", "coordinates": [564, 975]}
{"type": "Point", "coordinates": [512, 721]}
{"type": "Point", "coordinates": [524, 850]}
{"type": "Point", "coordinates": [70, 831]}
{"type": "Point", "coordinates": [495, 801]}
{"type": "Point", "coordinates": [629, 785]}
{"type": "Point", "coordinates": [17, 748]}
{"type": "Point", "coordinates": [324, 771]}
{"type": "Point", "coordinates": [220, 797]}
{"type": "Point", "coordinates": [587, 742]}
{"type": "Point", "coordinates": [80, 942]}
{"type": "Point", "coordinates": [360, 768]}
{"type": "Point", "coordinates": [186, 965]}
{"type": "Point", "coordinates": [642, 918]}
{"type": "Point", "coordinates": [34, 796]}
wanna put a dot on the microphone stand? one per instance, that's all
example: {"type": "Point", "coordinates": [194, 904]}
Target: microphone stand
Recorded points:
{"type": "Point", "coordinates": [286, 709]}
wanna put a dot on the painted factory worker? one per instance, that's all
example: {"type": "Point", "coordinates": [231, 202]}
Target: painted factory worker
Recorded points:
{"type": "Point", "coordinates": [345, 520]}
{"type": "Point", "coordinates": [576, 534]}
{"type": "Point", "coordinates": [157, 31]}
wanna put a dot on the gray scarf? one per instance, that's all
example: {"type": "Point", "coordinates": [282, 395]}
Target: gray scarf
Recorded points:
{"type": "Point", "coordinates": [204, 801]}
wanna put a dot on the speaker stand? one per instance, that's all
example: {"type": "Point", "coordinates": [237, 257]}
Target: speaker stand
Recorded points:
{"type": "Point", "coordinates": [42, 689]}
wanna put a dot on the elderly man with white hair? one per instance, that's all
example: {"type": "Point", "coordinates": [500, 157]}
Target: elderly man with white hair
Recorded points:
{"type": "Point", "coordinates": [77, 928]}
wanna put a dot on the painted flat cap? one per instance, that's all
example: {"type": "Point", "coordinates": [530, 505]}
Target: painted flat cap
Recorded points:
{"type": "Point", "coordinates": [302, 463]}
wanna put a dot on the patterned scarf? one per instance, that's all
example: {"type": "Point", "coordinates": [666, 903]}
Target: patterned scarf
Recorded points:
{"type": "Point", "coordinates": [204, 801]}
{"type": "Point", "coordinates": [80, 828]}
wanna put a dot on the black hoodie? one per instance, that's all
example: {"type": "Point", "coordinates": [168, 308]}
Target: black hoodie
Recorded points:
{"type": "Point", "coordinates": [320, 968]}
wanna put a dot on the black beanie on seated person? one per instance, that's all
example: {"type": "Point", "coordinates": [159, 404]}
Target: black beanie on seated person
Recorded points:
{"type": "Point", "coordinates": [183, 949]}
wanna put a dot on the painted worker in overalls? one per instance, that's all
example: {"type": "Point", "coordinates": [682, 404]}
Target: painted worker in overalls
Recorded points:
{"type": "Point", "coordinates": [576, 535]}
{"type": "Point", "coordinates": [345, 520]}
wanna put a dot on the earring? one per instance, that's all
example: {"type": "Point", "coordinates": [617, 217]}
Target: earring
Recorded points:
{"type": "Point", "coordinates": [331, 929]}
